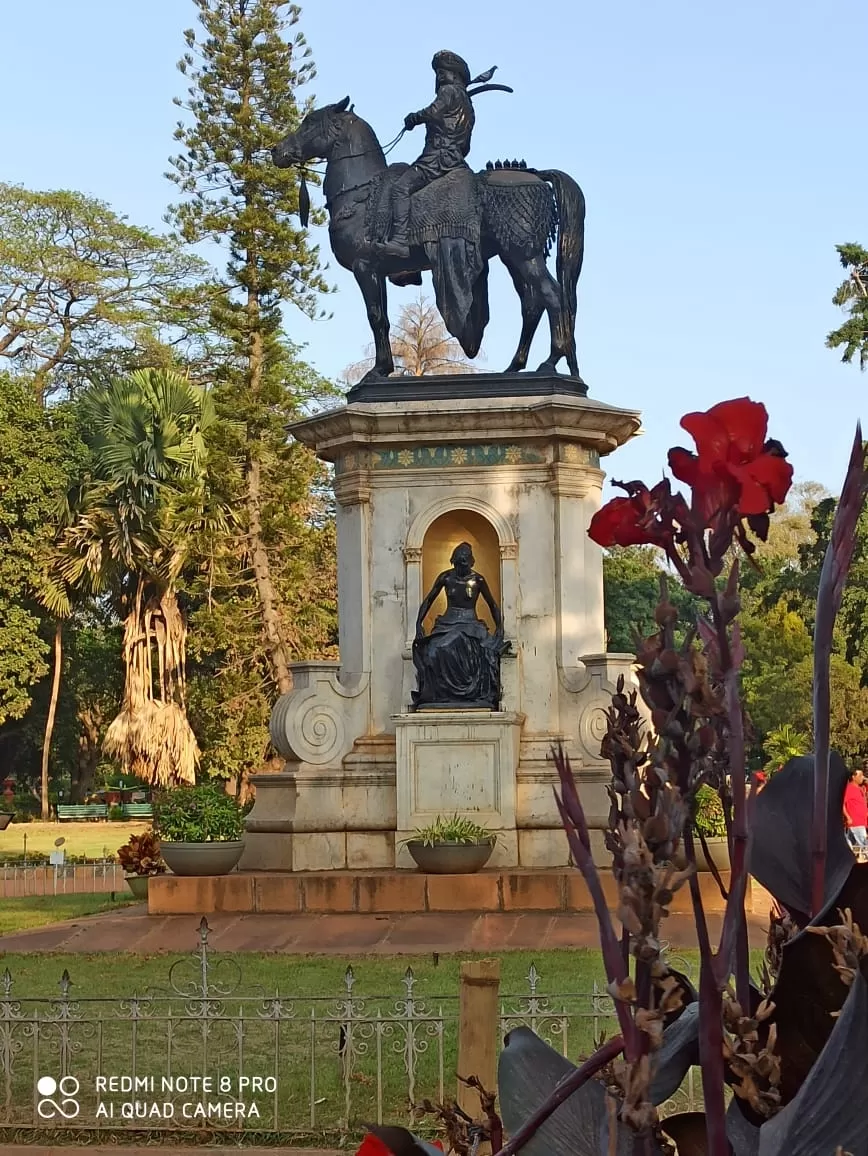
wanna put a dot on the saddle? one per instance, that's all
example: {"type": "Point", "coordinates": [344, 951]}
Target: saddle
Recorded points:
{"type": "Point", "coordinates": [448, 207]}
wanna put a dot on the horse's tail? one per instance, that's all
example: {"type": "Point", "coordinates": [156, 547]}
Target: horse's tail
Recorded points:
{"type": "Point", "coordinates": [570, 201]}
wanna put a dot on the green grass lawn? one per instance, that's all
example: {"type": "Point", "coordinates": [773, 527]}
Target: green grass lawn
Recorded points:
{"type": "Point", "coordinates": [91, 839]}
{"type": "Point", "coordinates": [343, 1086]}
{"type": "Point", "coordinates": [326, 1090]}
{"type": "Point", "coordinates": [19, 914]}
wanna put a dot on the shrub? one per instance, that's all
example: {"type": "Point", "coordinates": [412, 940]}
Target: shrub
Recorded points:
{"type": "Point", "coordinates": [141, 855]}
{"type": "Point", "coordinates": [709, 817]}
{"type": "Point", "coordinates": [201, 814]}
{"type": "Point", "coordinates": [116, 814]}
{"type": "Point", "coordinates": [455, 830]}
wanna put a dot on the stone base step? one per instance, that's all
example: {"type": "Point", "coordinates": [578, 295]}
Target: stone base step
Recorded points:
{"type": "Point", "coordinates": [392, 892]}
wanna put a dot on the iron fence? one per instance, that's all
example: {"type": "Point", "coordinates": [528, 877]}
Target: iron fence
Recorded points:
{"type": "Point", "coordinates": [21, 880]}
{"type": "Point", "coordinates": [202, 1054]}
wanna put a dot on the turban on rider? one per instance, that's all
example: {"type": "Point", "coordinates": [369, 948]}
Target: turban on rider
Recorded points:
{"type": "Point", "coordinates": [452, 62]}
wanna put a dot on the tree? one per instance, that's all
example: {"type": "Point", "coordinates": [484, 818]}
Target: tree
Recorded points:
{"type": "Point", "coordinates": [631, 587]}
{"type": "Point", "coordinates": [244, 76]}
{"type": "Point", "coordinates": [130, 533]}
{"type": "Point", "coordinates": [784, 743]}
{"type": "Point", "coordinates": [40, 452]}
{"type": "Point", "coordinates": [852, 296]}
{"type": "Point", "coordinates": [421, 345]}
{"type": "Point", "coordinates": [793, 579]}
{"type": "Point", "coordinates": [80, 288]}
{"type": "Point", "coordinates": [232, 681]}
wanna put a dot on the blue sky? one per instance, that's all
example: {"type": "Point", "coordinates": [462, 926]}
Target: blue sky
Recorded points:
{"type": "Point", "coordinates": [719, 147]}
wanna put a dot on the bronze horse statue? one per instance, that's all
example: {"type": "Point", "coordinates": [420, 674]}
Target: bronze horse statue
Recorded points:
{"type": "Point", "coordinates": [458, 223]}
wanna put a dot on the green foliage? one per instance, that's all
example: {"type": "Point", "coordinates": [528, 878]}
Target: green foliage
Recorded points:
{"type": "Point", "coordinates": [241, 100]}
{"type": "Point", "coordinates": [851, 636]}
{"type": "Point", "coordinates": [267, 586]}
{"type": "Point", "coordinates": [201, 814]}
{"type": "Point", "coordinates": [709, 817]}
{"type": "Point", "coordinates": [784, 743]}
{"type": "Point", "coordinates": [457, 829]}
{"type": "Point", "coordinates": [141, 855]}
{"type": "Point", "coordinates": [852, 296]}
{"type": "Point", "coordinates": [132, 515]}
{"type": "Point", "coordinates": [41, 451]}
{"type": "Point", "coordinates": [82, 292]}
{"type": "Point", "coordinates": [631, 581]}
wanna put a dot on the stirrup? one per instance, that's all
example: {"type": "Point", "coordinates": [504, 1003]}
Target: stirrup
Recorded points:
{"type": "Point", "coordinates": [398, 250]}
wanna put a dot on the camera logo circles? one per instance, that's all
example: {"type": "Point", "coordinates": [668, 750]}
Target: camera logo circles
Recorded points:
{"type": "Point", "coordinates": [65, 1105]}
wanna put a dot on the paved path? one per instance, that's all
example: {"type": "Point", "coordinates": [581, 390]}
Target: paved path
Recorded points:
{"type": "Point", "coordinates": [132, 929]}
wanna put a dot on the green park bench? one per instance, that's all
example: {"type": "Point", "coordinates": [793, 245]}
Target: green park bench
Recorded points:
{"type": "Point", "coordinates": [138, 811]}
{"type": "Point", "coordinates": [76, 811]}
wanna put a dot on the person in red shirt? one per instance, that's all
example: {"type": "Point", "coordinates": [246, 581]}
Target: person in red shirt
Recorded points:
{"type": "Point", "coordinates": [856, 812]}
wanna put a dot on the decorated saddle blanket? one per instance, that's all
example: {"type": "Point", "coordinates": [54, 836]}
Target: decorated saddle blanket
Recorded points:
{"type": "Point", "coordinates": [447, 208]}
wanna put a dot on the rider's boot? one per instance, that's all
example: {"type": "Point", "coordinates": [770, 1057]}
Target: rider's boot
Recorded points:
{"type": "Point", "coordinates": [398, 247]}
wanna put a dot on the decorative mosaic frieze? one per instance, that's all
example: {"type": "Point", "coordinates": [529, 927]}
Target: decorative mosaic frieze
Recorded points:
{"type": "Point", "coordinates": [475, 456]}
{"type": "Point", "coordinates": [575, 455]}
{"type": "Point", "coordinates": [438, 457]}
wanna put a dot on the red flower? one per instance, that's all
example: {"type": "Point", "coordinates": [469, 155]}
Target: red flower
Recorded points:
{"type": "Point", "coordinates": [618, 524]}
{"type": "Point", "coordinates": [642, 519]}
{"type": "Point", "coordinates": [735, 467]}
{"type": "Point", "coordinates": [372, 1145]}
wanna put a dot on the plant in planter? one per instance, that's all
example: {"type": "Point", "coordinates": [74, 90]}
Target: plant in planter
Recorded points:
{"type": "Point", "coordinates": [200, 829]}
{"type": "Point", "coordinates": [455, 846]}
{"type": "Point", "coordinates": [140, 858]}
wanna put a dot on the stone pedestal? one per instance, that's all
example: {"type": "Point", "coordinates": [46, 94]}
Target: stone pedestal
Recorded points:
{"type": "Point", "coordinates": [519, 478]}
{"type": "Point", "coordinates": [458, 762]}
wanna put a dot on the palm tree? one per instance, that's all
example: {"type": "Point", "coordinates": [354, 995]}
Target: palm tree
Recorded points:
{"type": "Point", "coordinates": [782, 744]}
{"type": "Point", "coordinates": [129, 537]}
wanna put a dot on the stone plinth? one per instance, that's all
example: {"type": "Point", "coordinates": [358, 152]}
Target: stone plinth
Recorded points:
{"type": "Point", "coordinates": [386, 892]}
{"type": "Point", "coordinates": [420, 466]}
{"type": "Point", "coordinates": [458, 762]}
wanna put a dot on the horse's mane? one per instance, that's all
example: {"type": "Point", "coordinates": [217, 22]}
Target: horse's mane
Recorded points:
{"type": "Point", "coordinates": [362, 138]}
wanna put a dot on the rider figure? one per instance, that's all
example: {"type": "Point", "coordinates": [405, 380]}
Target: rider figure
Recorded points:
{"type": "Point", "coordinates": [449, 123]}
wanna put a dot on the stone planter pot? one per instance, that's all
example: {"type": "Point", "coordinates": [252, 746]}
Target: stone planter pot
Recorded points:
{"type": "Point", "coordinates": [138, 884]}
{"type": "Point", "coordinates": [451, 858]}
{"type": "Point", "coordinates": [6, 818]}
{"type": "Point", "coordinates": [718, 851]}
{"type": "Point", "coordinates": [202, 858]}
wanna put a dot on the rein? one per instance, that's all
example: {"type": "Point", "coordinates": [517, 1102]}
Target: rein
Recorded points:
{"type": "Point", "coordinates": [304, 195]}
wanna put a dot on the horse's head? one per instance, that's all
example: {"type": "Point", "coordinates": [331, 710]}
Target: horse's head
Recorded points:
{"type": "Point", "coordinates": [314, 138]}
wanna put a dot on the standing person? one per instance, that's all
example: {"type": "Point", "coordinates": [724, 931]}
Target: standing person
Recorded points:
{"type": "Point", "coordinates": [856, 812]}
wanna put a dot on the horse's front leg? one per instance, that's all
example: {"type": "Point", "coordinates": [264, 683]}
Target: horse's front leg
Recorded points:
{"type": "Point", "coordinates": [373, 287]}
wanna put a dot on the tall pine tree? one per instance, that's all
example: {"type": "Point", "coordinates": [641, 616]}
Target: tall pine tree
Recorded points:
{"type": "Point", "coordinates": [245, 66]}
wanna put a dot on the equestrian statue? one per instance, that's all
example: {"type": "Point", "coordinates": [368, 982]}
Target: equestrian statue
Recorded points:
{"type": "Point", "coordinates": [391, 222]}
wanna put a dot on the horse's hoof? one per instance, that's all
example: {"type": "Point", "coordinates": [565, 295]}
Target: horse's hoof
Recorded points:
{"type": "Point", "coordinates": [375, 375]}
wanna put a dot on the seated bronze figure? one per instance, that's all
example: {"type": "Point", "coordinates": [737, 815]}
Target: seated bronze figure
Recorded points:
{"type": "Point", "coordinates": [458, 663]}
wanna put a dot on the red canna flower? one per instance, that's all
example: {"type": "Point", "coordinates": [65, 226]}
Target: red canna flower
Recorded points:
{"type": "Point", "coordinates": [735, 468]}
{"type": "Point", "coordinates": [644, 518]}
{"type": "Point", "coordinates": [618, 524]}
{"type": "Point", "coordinates": [372, 1145]}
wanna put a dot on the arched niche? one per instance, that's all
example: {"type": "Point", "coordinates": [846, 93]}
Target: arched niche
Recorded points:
{"type": "Point", "coordinates": [444, 533]}
{"type": "Point", "coordinates": [502, 575]}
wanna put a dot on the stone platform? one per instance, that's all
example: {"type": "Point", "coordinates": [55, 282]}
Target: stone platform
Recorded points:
{"type": "Point", "coordinates": [394, 892]}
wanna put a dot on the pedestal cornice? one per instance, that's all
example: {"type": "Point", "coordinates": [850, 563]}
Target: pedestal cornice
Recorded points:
{"type": "Point", "coordinates": [502, 421]}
